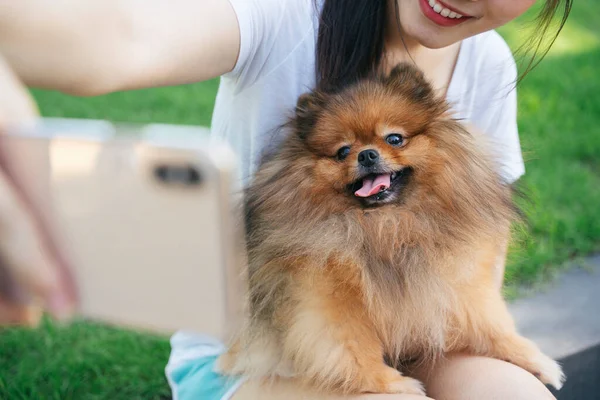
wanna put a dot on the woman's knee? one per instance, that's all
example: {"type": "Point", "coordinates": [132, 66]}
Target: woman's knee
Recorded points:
{"type": "Point", "coordinates": [290, 390]}
{"type": "Point", "coordinates": [463, 377]}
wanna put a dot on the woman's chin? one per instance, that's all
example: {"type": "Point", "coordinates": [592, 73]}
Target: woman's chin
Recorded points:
{"type": "Point", "coordinates": [428, 36]}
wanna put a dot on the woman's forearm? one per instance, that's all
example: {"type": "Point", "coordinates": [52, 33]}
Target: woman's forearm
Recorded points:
{"type": "Point", "coordinates": [97, 46]}
{"type": "Point", "coordinates": [69, 45]}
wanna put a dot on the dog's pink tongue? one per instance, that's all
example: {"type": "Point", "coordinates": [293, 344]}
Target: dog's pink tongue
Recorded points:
{"type": "Point", "coordinates": [372, 186]}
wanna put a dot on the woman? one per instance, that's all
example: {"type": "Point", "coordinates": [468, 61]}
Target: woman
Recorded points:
{"type": "Point", "coordinates": [268, 52]}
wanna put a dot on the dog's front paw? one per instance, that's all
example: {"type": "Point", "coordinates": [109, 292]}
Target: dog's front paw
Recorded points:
{"type": "Point", "coordinates": [548, 371]}
{"type": "Point", "coordinates": [393, 382]}
{"type": "Point", "coordinates": [527, 355]}
{"type": "Point", "coordinates": [405, 385]}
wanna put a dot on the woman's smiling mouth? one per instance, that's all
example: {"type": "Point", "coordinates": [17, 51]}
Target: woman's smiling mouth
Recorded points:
{"type": "Point", "coordinates": [442, 14]}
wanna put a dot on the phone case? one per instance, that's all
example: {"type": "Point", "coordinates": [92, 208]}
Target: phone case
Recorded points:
{"type": "Point", "coordinates": [148, 215]}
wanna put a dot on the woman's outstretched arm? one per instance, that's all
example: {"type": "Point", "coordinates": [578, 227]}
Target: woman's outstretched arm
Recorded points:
{"type": "Point", "coordinates": [93, 47]}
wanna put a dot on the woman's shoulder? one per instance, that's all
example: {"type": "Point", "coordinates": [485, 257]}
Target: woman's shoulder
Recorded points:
{"type": "Point", "coordinates": [269, 31]}
{"type": "Point", "coordinates": [484, 77]}
{"type": "Point", "coordinates": [485, 70]}
{"type": "Point", "coordinates": [271, 15]}
{"type": "Point", "coordinates": [484, 95]}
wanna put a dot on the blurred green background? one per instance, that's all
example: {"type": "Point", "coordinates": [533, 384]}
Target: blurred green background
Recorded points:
{"type": "Point", "coordinates": [559, 122]}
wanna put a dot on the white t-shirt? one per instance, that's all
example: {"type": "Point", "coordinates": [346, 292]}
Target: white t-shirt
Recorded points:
{"type": "Point", "coordinates": [276, 65]}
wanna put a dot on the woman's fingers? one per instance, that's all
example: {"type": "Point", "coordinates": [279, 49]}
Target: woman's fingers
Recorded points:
{"type": "Point", "coordinates": [29, 269]}
{"type": "Point", "coordinates": [17, 107]}
{"type": "Point", "coordinates": [19, 314]}
{"type": "Point", "coordinates": [29, 239]}
{"type": "Point", "coordinates": [32, 261]}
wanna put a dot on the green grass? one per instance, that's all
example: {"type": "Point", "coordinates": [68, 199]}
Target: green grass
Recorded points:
{"type": "Point", "coordinates": [559, 123]}
{"type": "Point", "coordinates": [190, 104]}
{"type": "Point", "coordinates": [559, 120]}
{"type": "Point", "coordinates": [81, 361]}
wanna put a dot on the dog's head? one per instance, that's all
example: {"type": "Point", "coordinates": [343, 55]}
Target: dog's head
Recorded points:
{"type": "Point", "coordinates": [368, 140]}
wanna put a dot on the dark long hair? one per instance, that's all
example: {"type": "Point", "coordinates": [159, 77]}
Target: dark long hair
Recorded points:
{"type": "Point", "coordinates": [350, 42]}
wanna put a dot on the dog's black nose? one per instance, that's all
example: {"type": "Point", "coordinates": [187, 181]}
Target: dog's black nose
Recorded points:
{"type": "Point", "coordinates": [367, 158]}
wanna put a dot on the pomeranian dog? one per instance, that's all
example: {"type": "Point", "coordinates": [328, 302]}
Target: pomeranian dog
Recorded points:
{"type": "Point", "coordinates": [373, 235]}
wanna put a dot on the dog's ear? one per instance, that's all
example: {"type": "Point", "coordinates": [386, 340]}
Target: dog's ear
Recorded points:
{"type": "Point", "coordinates": [308, 108]}
{"type": "Point", "coordinates": [411, 81]}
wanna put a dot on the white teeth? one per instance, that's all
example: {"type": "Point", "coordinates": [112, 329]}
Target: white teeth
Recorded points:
{"type": "Point", "coordinates": [443, 11]}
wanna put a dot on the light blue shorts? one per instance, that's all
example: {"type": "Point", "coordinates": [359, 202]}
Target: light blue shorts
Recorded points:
{"type": "Point", "coordinates": [190, 370]}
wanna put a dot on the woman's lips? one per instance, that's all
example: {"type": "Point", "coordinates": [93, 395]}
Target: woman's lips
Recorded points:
{"type": "Point", "coordinates": [440, 14]}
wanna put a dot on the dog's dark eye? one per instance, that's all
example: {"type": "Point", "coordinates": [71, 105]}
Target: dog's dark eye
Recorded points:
{"type": "Point", "coordinates": [343, 153]}
{"type": "Point", "coordinates": [394, 139]}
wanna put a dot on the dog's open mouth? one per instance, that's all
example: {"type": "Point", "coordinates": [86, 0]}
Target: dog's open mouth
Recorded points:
{"type": "Point", "coordinates": [376, 188]}
{"type": "Point", "coordinates": [373, 184]}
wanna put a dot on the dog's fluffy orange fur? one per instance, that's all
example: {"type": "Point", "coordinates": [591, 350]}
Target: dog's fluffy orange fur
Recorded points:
{"type": "Point", "coordinates": [339, 283]}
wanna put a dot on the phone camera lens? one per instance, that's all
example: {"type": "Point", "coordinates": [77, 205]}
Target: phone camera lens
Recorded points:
{"type": "Point", "coordinates": [175, 174]}
{"type": "Point", "coordinates": [161, 173]}
{"type": "Point", "coordinates": [193, 176]}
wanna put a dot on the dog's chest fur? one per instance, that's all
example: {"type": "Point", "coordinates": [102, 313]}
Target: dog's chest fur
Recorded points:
{"type": "Point", "coordinates": [411, 289]}
{"type": "Point", "coordinates": [411, 310]}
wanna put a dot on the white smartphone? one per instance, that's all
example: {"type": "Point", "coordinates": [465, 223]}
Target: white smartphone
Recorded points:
{"type": "Point", "coordinates": [148, 215]}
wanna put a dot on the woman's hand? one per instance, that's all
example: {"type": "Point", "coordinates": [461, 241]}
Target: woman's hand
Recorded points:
{"type": "Point", "coordinates": [34, 273]}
